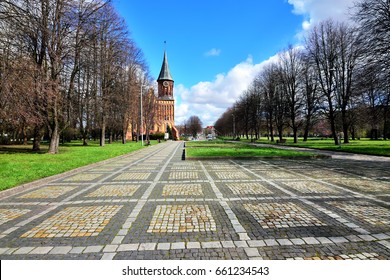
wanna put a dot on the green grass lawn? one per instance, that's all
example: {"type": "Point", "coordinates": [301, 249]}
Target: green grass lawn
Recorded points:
{"type": "Point", "coordinates": [19, 165]}
{"type": "Point", "coordinates": [220, 149]}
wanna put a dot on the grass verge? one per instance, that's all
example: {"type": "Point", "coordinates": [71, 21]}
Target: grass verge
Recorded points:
{"type": "Point", "coordinates": [19, 165]}
{"type": "Point", "coordinates": [211, 149]}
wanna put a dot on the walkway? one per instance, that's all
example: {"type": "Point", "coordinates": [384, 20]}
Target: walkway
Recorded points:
{"type": "Point", "coordinates": [152, 205]}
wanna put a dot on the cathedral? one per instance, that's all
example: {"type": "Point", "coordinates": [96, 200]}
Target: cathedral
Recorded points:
{"type": "Point", "coordinates": [165, 101]}
{"type": "Point", "coordinates": [165, 106]}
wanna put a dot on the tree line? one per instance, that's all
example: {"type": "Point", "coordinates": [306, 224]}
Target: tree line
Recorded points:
{"type": "Point", "coordinates": [68, 67]}
{"type": "Point", "coordinates": [339, 79]}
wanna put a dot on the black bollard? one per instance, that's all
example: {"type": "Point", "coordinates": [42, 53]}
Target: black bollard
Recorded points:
{"type": "Point", "coordinates": [183, 156]}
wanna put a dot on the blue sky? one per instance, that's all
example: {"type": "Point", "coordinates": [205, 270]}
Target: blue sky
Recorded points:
{"type": "Point", "coordinates": [216, 47]}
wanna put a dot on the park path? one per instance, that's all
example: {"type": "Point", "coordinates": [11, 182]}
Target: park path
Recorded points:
{"type": "Point", "coordinates": [152, 205]}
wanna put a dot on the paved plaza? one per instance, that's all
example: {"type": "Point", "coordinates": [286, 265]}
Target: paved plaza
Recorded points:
{"type": "Point", "coordinates": [152, 205]}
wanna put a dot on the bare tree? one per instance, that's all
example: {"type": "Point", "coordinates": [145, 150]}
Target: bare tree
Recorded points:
{"type": "Point", "coordinates": [290, 67]}
{"type": "Point", "coordinates": [310, 95]}
{"type": "Point", "coordinates": [374, 19]}
{"type": "Point", "coordinates": [194, 125]}
{"type": "Point", "coordinates": [321, 46]}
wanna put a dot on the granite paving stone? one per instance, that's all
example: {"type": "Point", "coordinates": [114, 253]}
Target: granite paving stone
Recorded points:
{"type": "Point", "coordinates": [152, 205]}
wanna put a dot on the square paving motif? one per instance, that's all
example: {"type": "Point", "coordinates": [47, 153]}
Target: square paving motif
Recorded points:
{"type": "Point", "coordinates": [322, 173]}
{"type": "Point", "coordinates": [49, 192]}
{"type": "Point", "coordinates": [182, 189]}
{"type": "Point", "coordinates": [232, 175]}
{"type": "Point", "coordinates": [365, 211]}
{"type": "Point", "coordinates": [184, 167]}
{"type": "Point", "coordinates": [365, 185]}
{"type": "Point", "coordinates": [114, 190]}
{"type": "Point", "coordinates": [182, 218]}
{"type": "Point", "coordinates": [180, 175]}
{"type": "Point", "coordinates": [132, 176]}
{"type": "Point", "coordinates": [248, 188]}
{"type": "Point", "coordinates": [7, 215]}
{"type": "Point", "coordinates": [277, 174]}
{"type": "Point", "coordinates": [84, 177]}
{"type": "Point", "coordinates": [310, 187]}
{"type": "Point", "coordinates": [75, 222]}
{"type": "Point", "coordinates": [281, 215]}
{"type": "Point", "coordinates": [223, 167]}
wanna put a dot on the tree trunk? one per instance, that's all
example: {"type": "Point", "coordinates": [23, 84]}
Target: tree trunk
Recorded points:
{"type": "Point", "coordinates": [345, 126]}
{"type": "Point", "coordinates": [24, 136]}
{"type": "Point", "coordinates": [54, 140]}
{"type": "Point", "coordinates": [332, 122]}
{"type": "Point", "coordinates": [110, 138]}
{"type": "Point", "coordinates": [37, 139]}
{"type": "Point", "coordinates": [271, 129]}
{"type": "Point", "coordinates": [295, 135]}
{"type": "Point", "coordinates": [124, 133]}
{"type": "Point", "coordinates": [307, 128]}
{"type": "Point", "coordinates": [103, 132]}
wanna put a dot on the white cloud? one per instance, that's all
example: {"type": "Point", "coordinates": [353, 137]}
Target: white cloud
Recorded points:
{"type": "Point", "coordinates": [213, 52]}
{"type": "Point", "coordinates": [210, 99]}
{"type": "Point", "coordinates": [315, 11]}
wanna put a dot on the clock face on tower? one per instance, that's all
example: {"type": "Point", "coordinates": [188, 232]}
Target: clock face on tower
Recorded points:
{"type": "Point", "coordinates": [165, 84]}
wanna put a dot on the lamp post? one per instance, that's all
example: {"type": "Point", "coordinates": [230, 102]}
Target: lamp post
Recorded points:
{"type": "Point", "coordinates": [142, 120]}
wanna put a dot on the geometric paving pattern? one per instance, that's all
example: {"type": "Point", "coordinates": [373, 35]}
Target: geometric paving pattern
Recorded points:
{"type": "Point", "coordinates": [277, 174]}
{"type": "Point", "coordinates": [178, 175]}
{"type": "Point", "coordinates": [7, 215]}
{"type": "Point", "coordinates": [49, 192]}
{"type": "Point", "coordinates": [364, 185]}
{"type": "Point", "coordinates": [83, 177]}
{"type": "Point", "coordinates": [375, 215]}
{"type": "Point", "coordinates": [182, 218]}
{"type": "Point", "coordinates": [231, 175]}
{"type": "Point", "coordinates": [182, 189]}
{"type": "Point", "coordinates": [310, 187]}
{"type": "Point", "coordinates": [114, 190]}
{"type": "Point", "coordinates": [150, 204]}
{"type": "Point", "coordinates": [248, 188]}
{"type": "Point", "coordinates": [132, 176]}
{"type": "Point", "coordinates": [75, 222]}
{"type": "Point", "coordinates": [281, 215]}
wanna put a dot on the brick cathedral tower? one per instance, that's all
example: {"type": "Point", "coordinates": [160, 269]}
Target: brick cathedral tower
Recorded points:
{"type": "Point", "coordinates": [165, 101]}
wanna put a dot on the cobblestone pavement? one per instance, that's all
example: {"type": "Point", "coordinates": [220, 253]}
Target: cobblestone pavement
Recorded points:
{"type": "Point", "coordinates": [152, 205]}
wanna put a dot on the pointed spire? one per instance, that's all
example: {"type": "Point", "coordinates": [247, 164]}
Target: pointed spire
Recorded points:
{"type": "Point", "coordinates": [165, 74]}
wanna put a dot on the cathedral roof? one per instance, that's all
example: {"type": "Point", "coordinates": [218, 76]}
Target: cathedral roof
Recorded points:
{"type": "Point", "coordinates": [165, 74]}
